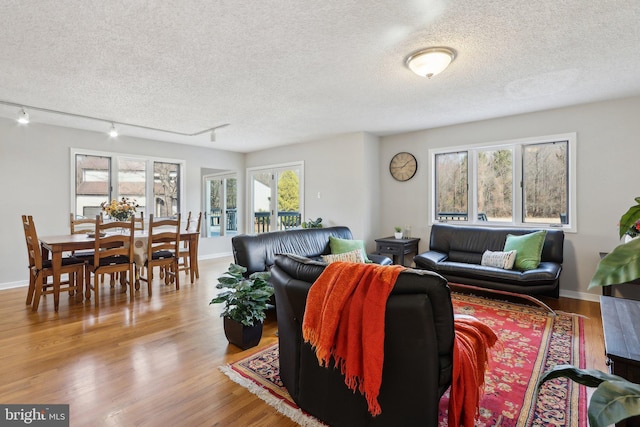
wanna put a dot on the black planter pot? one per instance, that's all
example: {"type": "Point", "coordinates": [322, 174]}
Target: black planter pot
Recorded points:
{"type": "Point", "coordinates": [240, 335]}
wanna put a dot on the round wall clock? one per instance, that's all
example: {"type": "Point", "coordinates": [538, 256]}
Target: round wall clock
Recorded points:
{"type": "Point", "coordinates": [403, 166]}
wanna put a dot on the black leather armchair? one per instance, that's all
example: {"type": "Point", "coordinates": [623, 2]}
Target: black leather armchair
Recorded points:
{"type": "Point", "coordinates": [419, 334]}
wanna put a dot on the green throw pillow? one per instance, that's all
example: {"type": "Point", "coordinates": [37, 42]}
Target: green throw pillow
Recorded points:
{"type": "Point", "coordinates": [528, 247]}
{"type": "Point", "coordinates": [340, 246]}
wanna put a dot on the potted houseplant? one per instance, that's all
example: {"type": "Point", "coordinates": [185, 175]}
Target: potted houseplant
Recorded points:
{"type": "Point", "coordinates": [615, 398]}
{"type": "Point", "coordinates": [312, 223]}
{"type": "Point", "coordinates": [622, 264]}
{"type": "Point", "coordinates": [398, 233]}
{"type": "Point", "coordinates": [245, 304]}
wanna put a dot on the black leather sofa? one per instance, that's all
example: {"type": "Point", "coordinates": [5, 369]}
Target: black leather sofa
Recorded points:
{"type": "Point", "coordinates": [258, 252]}
{"type": "Point", "coordinates": [419, 334]}
{"type": "Point", "coordinates": [455, 252]}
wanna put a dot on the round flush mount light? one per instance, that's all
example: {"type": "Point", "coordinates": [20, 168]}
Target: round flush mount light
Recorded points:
{"type": "Point", "coordinates": [431, 61]}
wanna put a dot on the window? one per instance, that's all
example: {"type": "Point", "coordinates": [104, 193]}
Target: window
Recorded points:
{"type": "Point", "coordinates": [100, 177]}
{"type": "Point", "coordinates": [221, 198]}
{"type": "Point", "coordinates": [528, 182]}
{"type": "Point", "coordinates": [276, 198]}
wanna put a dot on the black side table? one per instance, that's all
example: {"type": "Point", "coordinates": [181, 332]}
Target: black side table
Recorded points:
{"type": "Point", "coordinates": [397, 248]}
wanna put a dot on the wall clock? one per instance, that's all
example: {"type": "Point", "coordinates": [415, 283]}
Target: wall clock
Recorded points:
{"type": "Point", "coordinates": [403, 166]}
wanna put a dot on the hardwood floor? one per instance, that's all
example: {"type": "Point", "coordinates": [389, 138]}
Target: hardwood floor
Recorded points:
{"type": "Point", "coordinates": [152, 361]}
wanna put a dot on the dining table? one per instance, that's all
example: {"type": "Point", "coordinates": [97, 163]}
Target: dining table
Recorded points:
{"type": "Point", "coordinates": [55, 245]}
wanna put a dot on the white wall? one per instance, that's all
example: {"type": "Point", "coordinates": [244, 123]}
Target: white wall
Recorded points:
{"type": "Point", "coordinates": [344, 171]}
{"type": "Point", "coordinates": [35, 172]}
{"type": "Point", "coordinates": [608, 136]}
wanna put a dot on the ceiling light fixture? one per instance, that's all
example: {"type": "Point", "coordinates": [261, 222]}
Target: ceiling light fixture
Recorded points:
{"type": "Point", "coordinates": [213, 135]}
{"type": "Point", "coordinates": [113, 132]}
{"type": "Point", "coordinates": [431, 61]}
{"type": "Point", "coordinates": [23, 117]}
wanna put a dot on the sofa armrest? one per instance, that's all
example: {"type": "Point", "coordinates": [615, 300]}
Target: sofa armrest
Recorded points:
{"type": "Point", "coordinates": [429, 259]}
{"type": "Point", "coordinates": [380, 259]}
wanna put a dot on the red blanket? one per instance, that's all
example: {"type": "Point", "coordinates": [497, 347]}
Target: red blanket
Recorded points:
{"type": "Point", "coordinates": [336, 326]}
{"type": "Point", "coordinates": [470, 359]}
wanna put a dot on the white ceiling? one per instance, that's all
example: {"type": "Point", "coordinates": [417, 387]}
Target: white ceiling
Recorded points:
{"type": "Point", "coordinates": [287, 71]}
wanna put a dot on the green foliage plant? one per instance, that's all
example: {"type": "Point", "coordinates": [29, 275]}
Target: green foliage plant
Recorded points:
{"type": "Point", "coordinates": [245, 299]}
{"type": "Point", "coordinates": [615, 398]}
{"type": "Point", "coordinates": [398, 229]}
{"type": "Point", "coordinates": [312, 223]}
{"type": "Point", "coordinates": [622, 264]}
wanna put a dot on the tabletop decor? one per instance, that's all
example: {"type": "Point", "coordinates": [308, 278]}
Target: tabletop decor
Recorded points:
{"type": "Point", "coordinates": [122, 209]}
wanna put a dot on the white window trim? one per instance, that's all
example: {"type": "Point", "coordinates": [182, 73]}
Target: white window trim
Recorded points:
{"type": "Point", "coordinates": [249, 192]}
{"type": "Point", "coordinates": [516, 145]}
{"type": "Point", "coordinates": [114, 166]}
{"type": "Point", "coordinates": [223, 176]}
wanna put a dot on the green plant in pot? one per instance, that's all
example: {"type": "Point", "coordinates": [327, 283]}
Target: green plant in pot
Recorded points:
{"type": "Point", "coordinates": [615, 399]}
{"type": "Point", "coordinates": [245, 304]}
{"type": "Point", "coordinates": [622, 264]}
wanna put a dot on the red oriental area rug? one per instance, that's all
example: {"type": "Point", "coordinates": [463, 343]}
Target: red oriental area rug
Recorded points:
{"type": "Point", "coordinates": [531, 341]}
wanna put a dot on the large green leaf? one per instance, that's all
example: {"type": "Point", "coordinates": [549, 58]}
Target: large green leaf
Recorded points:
{"type": "Point", "coordinates": [621, 265]}
{"type": "Point", "coordinates": [587, 377]}
{"type": "Point", "coordinates": [630, 217]}
{"type": "Point", "coordinates": [614, 401]}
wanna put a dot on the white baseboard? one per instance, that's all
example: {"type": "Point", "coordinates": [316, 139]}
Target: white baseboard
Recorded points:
{"type": "Point", "coordinates": [11, 285]}
{"type": "Point", "coordinates": [586, 296]}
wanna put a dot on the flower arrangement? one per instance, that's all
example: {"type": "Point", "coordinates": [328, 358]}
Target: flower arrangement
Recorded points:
{"type": "Point", "coordinates": [121, 210]}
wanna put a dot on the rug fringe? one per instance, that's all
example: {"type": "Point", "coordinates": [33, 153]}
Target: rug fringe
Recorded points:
{"type": "Point", "coordinates": [295, 414]}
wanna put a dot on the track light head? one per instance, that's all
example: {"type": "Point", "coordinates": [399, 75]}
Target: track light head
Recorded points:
{"type": "Point", "coordinates": [113, 132]}
{"type": "Point", "coordinates": [213, 135]}
{"type": "Point", "coordinates": [23, 117]}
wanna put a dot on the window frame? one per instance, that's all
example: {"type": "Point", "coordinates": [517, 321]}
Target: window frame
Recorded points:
{"type": "Point", "coordinates": [224, 177]}
{"type": "Point", "coordinates": [516, 145]}
{"type": "Point", "coordinates": [115, 156]}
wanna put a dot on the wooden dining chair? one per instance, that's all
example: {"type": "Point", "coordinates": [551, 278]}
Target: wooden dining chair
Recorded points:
{"type": "Point", "coordinates": [139, 221]}
{"type": "Point", "coordinates": [113, 253]}
{"type": "Point", "coordinates": [41, 269]}
{"type": "Point", "coordinates": [163, 247]}
{"type": "Point", "coordinates": [185, 263]}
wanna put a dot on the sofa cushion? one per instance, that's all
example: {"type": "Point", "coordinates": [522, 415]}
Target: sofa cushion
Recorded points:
{"type": "Point", "coordinates": [499, 259]}
{"type": "Point", "coordinates": [340, 246]}
{"type": "Point", "coordinates": [351, 256]}
{"type": "Point", "coordinates": [528, 248]}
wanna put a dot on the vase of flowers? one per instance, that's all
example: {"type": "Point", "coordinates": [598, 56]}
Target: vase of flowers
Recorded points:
{"type": "Point", "coordinates": [121, 210]}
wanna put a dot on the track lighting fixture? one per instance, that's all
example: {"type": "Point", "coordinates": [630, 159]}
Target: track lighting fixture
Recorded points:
{"type": "Point", "coordinates": [113, 132]}
{"type": "Point", "coordinates": [23, 117]}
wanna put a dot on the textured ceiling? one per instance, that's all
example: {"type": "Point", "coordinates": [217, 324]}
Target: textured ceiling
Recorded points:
{"type": "Point", "coordinates": [281, 72]}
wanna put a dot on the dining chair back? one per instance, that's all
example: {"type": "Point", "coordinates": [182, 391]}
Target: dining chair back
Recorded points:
{"type": "Point", "coordinates": [81, 225]}
{"type": "Point", "coordinates": [163, 247]}
{"type": "Point", "coordinates": [139, 221]}
{"type": "Point", "coordinates": [185, 263]}
{"type": "Point", "coordinates": [41, 269]}
{"type": "Point", "coordinates": [113, 253]}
